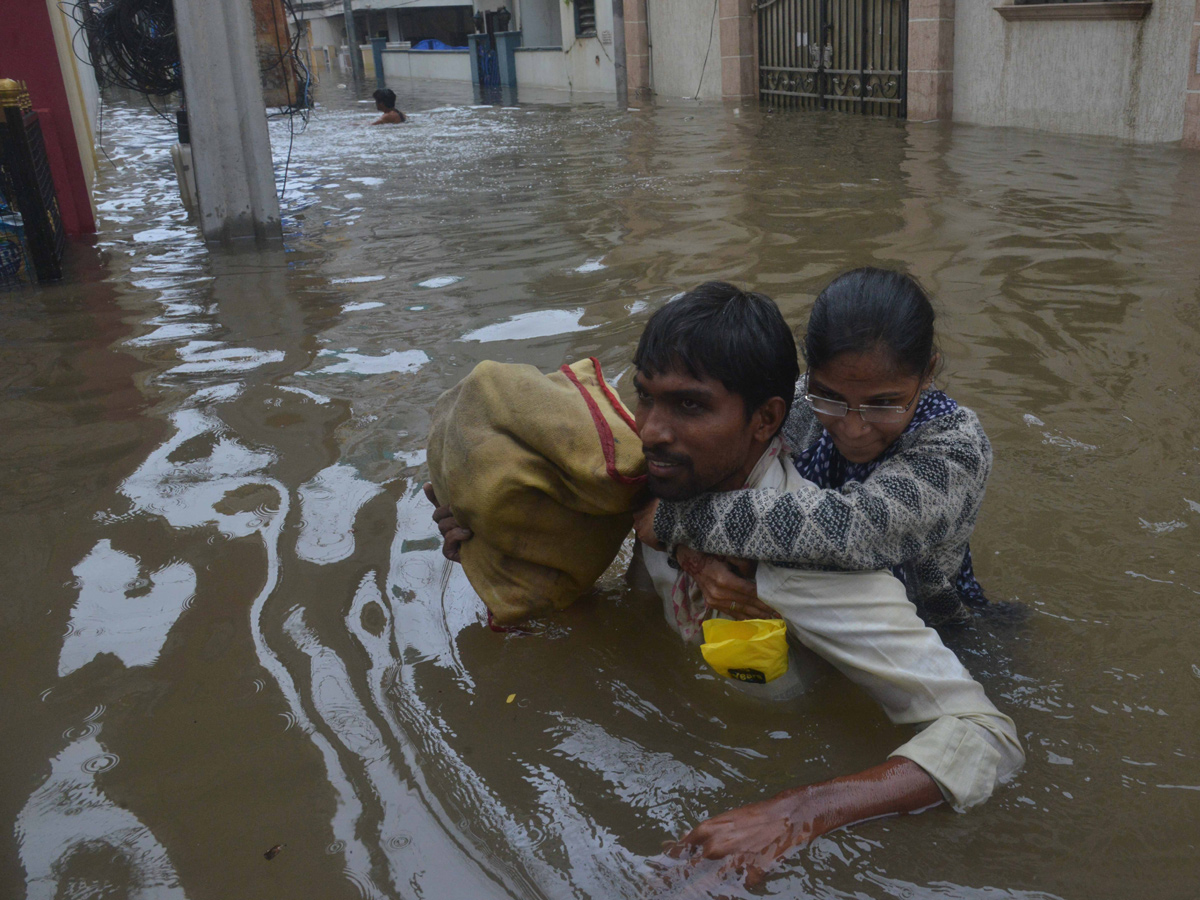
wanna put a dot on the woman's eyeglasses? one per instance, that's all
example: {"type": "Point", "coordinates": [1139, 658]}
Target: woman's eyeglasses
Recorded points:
{"type": "Point", "coordinates": [877, 414]}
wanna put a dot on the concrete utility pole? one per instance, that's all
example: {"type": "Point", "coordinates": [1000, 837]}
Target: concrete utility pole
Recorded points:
{"type": "Point", "coordinates": [619, 66]}
{"type": "Point", "coordinates": [356, 61]}
{"type": "Point", "coordinates": [231, 150]}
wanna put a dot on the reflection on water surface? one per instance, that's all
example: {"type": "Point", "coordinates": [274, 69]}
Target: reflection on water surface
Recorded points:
{"type": "Point", "coordinates": [229, 625]}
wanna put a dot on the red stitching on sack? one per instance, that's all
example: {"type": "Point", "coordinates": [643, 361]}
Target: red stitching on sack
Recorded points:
{"type": "Point", "coordinates": [607, 442]}
{"type": "Point", "coordinates": [612, 398]}
{"type": "Point", "coordinates": [506, 629]}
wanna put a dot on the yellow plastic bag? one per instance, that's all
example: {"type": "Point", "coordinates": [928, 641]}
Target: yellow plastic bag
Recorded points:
{"type": "Point", "coordinates": [545, 470]}
{"type": "Point", "coordinates": [753, 650]}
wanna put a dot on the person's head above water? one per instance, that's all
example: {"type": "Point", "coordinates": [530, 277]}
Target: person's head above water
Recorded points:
{"type": "Point", "coordinates": [716, 374]}
{"type": "Point", "coordinates": [870, 352]}
{"type": "Point", "coordinates": [385, 99]}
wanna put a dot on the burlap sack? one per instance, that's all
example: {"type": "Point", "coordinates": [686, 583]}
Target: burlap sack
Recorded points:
{"type": "Point", "coordinates": [545, 470]}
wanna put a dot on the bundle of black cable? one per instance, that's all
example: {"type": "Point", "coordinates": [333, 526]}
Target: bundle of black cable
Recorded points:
{"type": "Point", "coordinates": [132, 44]}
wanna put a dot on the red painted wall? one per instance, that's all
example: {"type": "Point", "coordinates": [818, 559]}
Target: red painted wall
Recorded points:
{"type": "Point", "coordinates": [28, 54]}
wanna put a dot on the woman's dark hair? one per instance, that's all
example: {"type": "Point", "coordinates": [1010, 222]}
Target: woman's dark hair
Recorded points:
{"type": "Point", "coordinates": [718, 331]}
{"type": "Point", "coordinates": [867, 309]}
{"type": "Point", "coordinates": [386, 96]}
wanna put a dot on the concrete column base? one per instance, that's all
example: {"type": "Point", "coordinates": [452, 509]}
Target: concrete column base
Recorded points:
{"type": "Point", "coordinates": [637, 50]}
{"type": "Point", "coordinates": [930, 60]}
{"type": "Point", "coordinates": [739, 49]}
{"type": "Point", "coordinates": [507, 43]}
{"type": "Point", "coordinates": [1191, 103]}
{"type": "Point", "coordinates": [231, 149]}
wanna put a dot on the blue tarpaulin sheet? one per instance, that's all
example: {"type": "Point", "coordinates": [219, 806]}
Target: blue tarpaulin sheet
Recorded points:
{"type": "Point", "coordinates": [432, 44]}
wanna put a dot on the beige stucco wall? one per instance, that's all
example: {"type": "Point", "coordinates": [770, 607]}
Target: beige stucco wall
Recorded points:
{"type": "Point", "coordinates": [1119, 78]}
{"type": "Point", "coordinates": [426, 65]}
{"type": "Point", "coordinates": [587, 63]}
{"type": "Point", "coordinates": [583, 64]}
{"type": "Point", "coordinates": [681, 31]}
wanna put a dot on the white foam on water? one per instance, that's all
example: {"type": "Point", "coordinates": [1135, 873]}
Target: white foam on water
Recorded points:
{"type": "Point", "coordinates": [316, 398]}
{"type": "Point", "coordinates": [367, 179]}
{"type": "Point", "coordinates": [592, 265]}
{"type": "Point", "coordinates": [540, 323]}
{"type": "Point", "coordinates": [439, 281]}
{"type": "Point", "coordinates": [1162, 527]}
{"type": "Point", "coordinates": [359, 307]}
{"type": "Point", "coordinates": [329, 503]}
{"type": "Point", "coordinates": [362, 364]}
{"type": "Point", "coordinates": [171, 332]}
{"type": "Point", "coordinates": [202, 357]}
{"type": "Point", "coordinates": [116, 614]}
{"type": "Point", "coordinates": [412, 458]}
{"type": "Point", "coordinates": [358, 279]}
{"type": "Point", "coordinates": [162, 234]}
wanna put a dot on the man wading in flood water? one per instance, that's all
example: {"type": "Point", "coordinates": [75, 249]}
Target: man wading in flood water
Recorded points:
{"type": "Point", "coordinates": [716, 372]}
{"type": "Point", "coordinates": [385, 102]}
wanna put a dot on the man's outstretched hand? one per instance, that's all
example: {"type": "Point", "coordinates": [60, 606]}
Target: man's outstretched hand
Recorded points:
{"type": "Point", "coordinates": [752, 838]}
{"type": "Point", "coordinates": [453, 534]}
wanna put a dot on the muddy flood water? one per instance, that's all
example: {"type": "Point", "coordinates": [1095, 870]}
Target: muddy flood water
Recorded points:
{"type": "Point", "coordinates": [228, 627]}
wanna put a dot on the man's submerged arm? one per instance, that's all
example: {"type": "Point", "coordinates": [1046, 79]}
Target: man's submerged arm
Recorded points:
{"type": "Point", "coordinates": [756, 836]}
{"type": "Point", "coordinates": [864, 625]}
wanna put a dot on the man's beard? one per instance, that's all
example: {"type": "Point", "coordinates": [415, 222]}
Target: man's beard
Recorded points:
{"type": "Point", "coordinates": [681, 486]}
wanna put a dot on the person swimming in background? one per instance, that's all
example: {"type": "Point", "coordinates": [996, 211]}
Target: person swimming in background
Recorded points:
{"type": "Point", "coordinates": [385, 102]}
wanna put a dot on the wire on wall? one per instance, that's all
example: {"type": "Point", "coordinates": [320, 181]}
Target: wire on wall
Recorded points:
{"type": "Point", "coordinates": [132, 44]}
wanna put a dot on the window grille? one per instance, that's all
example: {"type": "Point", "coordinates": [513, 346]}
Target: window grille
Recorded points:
{"type": "Point", "coordinates": [585, 18]}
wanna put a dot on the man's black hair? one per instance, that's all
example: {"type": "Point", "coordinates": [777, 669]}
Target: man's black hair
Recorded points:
{"type": "Point", "coordinates": [386, 96]}
{"type": "Point", "coordinates": [717, 331]}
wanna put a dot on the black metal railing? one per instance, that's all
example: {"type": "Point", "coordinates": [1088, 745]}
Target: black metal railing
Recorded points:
{"type": "Point", "coordinates": [28, 188]}
{"type": "Point", "coordinates": [846, 55]}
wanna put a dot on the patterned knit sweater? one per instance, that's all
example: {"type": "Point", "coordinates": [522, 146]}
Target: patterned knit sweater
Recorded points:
{"type": "Point", "coordinates": [914, 513]}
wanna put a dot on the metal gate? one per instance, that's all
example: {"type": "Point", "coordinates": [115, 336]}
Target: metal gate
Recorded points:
{"type": "Point", "coordinates": [489, 64]}
{"type": "Point", "coordinates": [846, 55]}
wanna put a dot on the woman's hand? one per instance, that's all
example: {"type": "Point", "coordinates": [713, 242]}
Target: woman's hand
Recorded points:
{"type": "Point", "coordinates": [643, 525]}
{"type": "Point", "coordinates": [453, 534]}
{"type": "Point", "coordinates": [725, 583]}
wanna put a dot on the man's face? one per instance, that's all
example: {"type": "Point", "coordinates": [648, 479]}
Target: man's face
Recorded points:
{"type": "Point", "coordinates": [694, 434]}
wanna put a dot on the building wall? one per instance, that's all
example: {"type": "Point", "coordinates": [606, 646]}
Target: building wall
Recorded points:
{"type": "Point", "coordinates": [541, 22]}
{"type": "Point", "coordinates": [328, 31]}
{"type": "Point", "coordinates": [1123, 79]}
{"type": "Point", "coordinates": [587, 64]}
{"type": "Point", "coordinates": [682, 34]}
{"type": "Point", "coordinates": [272, 37]}
{"type": "Point", "coordinates": [539, 68]}
{"type": "Point", "coordinates": [427, 65]}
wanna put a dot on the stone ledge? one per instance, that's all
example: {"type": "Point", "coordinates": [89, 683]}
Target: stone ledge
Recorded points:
{"type": "Point", "coordinates": [1123, 9]}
